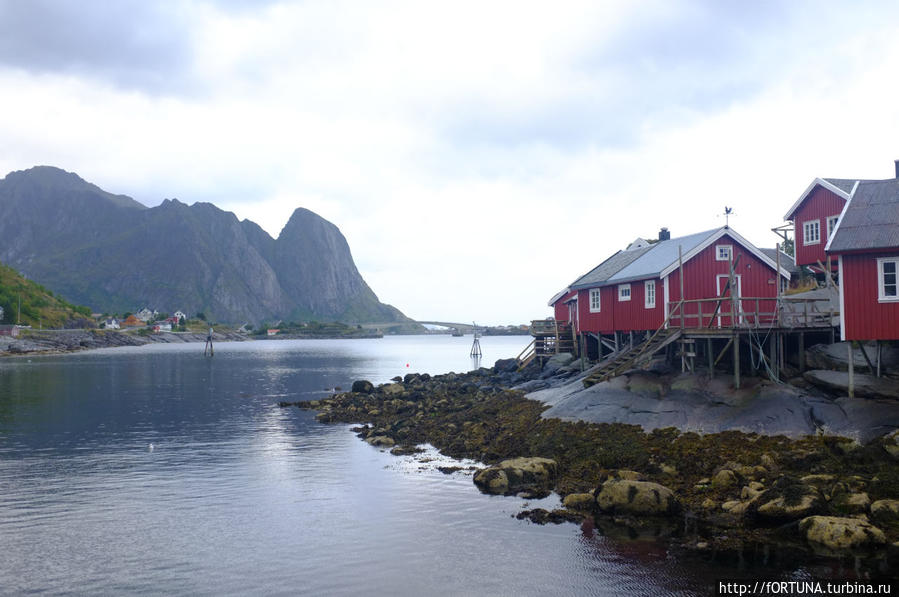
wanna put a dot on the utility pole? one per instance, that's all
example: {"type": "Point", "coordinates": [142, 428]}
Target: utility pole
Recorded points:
{"type": "Point", "coordinates": [19, 315]}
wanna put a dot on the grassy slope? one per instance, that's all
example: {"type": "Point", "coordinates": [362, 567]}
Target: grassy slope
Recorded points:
{"type": "Point", "coordinates": [39, 306]}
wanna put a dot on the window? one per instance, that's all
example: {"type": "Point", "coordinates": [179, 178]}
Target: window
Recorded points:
{"type": "Point", "coordinates": [649, 294]}
{"type": "Point", "coordinates": [594, 300]}
{"type": "Point", "coordinates": [723, 252]}
{"type": "Point", "coordinates": [624, 292]}
{"type": "Point", "coordinates": [887, 282]}
{"type": "Point", "coordinates": [831, 224]}
{"type": "Point", "coordinates": [811, 232]}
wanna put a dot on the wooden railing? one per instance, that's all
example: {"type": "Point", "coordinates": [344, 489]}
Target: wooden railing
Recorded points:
{"type": "Point", "coordinates": [751, 312]}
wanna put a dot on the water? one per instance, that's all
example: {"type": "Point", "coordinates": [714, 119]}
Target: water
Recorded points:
{"type": "Point", "coordinates": [153, 470]}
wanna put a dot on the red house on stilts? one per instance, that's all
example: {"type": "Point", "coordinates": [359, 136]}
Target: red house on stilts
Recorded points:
{"type": "Point", "coordinates": [814, 217]}
{"type": "Point", "coordinates": [635, 292]}
{"type": "Point", "coordinates": [866, 240]}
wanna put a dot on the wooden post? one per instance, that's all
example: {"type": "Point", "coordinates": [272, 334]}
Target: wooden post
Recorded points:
{"type": "Point", "coordinates": [733, 290]}
{"type": "Point", "coordinates": [772, 358]}
{"type": "Point", "coordinates": [781, 356]}
{"type": "Point", "coordinates": [711, 362]}
{"type": "Point", "coordinates": [737, 362]}
{"type": "Point", "coordinates": [879, 351]}
{"type": "Point", "coordinates": [777, 283]}
{"type": "Point", "coordinates": [680, 274]}
{"type": "Point", "coordinates": [802, 352]}
{"type": "Point", "coordinates": [851, 372]}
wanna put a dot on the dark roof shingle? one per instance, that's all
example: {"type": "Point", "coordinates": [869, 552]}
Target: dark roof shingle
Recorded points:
{"type": "Point", "coordinates": [871, 220]}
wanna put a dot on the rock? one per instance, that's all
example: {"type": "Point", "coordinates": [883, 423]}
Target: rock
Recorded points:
{"type": "Point", "coordinates": [363, 386]}
{"type": "Point", "coordinates": [885, 511]}
{"type": "Point", "coordinates": [669, 470]}
{"type": "Point", "coordinates": [724, 478]}
{"type": "Point", "coordinates": [584, 502]}
{"type": "Point", "coordinates": [506, 366]}
{"type": "Point", "coordinates": [819, 481]}
{"type": "Point", "coordinates": [735, 507]}
{"type": "Point", "coordinates": [636, 497]}
{"type": "Point", "coordinates": [516, 475]}
{"type": "Point", "coordinates": [839, 534]}
{"type": "Point", "coordinates": [748, 493]}
{"type": "Point", "coordinates": [626, 475]}
{"type": "Point", "coordinates": [391, 389]}
{"type": "Point", "coordinates": [709, 504]}
{"type": "Point", "coordinates": [891, 444]}
{"type": "Point", "coordinates": [557, 361]}
{"type": "Point", "coordinates": [836, 356]}
{"type": "Point", "coordinates": [381, 440]}
{"type": "Point", "coordinates": [783, 508]}
{"type": "Point", "coordinates": [866, 386]}
{"type": "Point", "coordinates": [768, 461]}
{"type": "Point", "coordinates": [851, 503]}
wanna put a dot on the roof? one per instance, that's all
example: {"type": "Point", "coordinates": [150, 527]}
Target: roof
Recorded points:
{"type": "Point", "coordinates": [608, 268]}
{"type": "Point", "coordinates": [870, 220]}
{"type": "Point", "coordinates": [660, 259]}
{"type": "Point", "coordinates": [786, 261]}
{"type": "Point", "coordinates": [842, 187]}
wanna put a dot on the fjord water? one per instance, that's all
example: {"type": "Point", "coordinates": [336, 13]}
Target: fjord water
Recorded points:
{"type": "Point", "coordinates": [154, 470]}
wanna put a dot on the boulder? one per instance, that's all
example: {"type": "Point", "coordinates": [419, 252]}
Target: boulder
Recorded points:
{"type": "Point", "coordinates": [840, 534]}
{"type": "Point", "coordinates": [866, 386]}
{"type": "Point", "coordinates": [885, 511]}
{"type": "Point", "coordinates": [506, 366]}
{"type": "Point", "coordinates": [836, 356]}
{"type": "Point", "coordinates": [391, 389]}
{"type": "Point", "coordinates": [363, 386]}
{"type": "Point", "coordinates": [891, 444]}
{"type": "Point", "coordinates": [381, 440]}
{"type": "Point", "coordinates": [851, 503]}
{"type": "Point", "coordinates": [636, 497]}
{"type": "Point", "coordinates": [516, 475]}
{"type": "Point", "coordinates": [584, 502]}
{"type": "Point", "coordinates": [724, 478]}
{"type": "Point", "coordinates": [783, 508]}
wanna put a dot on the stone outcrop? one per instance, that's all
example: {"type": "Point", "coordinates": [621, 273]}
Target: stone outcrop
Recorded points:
{"type": "Point", "coordinates": [534, 475]}
{"type": "Point", "coordinates": [865, 386]}
{"type": "Point", "coordinates": [636, 497]}
{"type": "Point", "coordinates": [840, 534]}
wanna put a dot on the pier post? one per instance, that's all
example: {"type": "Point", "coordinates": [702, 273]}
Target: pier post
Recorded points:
{"type": "Point", "coordinates": [851, 371]}
{"type": "Point", "coordinates": [802, 352]}
{"type": "Point", "coordinates": [736, 361]}
{"type": "Point", "coordinates": [711, 361]}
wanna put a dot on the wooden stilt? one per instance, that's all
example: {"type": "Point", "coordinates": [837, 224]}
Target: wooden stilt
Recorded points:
{"type": "Point", "coordinates": [851, 372]}
{"type": "Point", "coordinates": [772, 357]}
{"type": "Point", "coordinates": [802, 352]}
{"type": "Point", "coordinates": [737, 363]}
{"type": "Point", "coordinates": [711, 363]}
{"type": "Point", "coordinates": [879, 352]}
{"type": "Point", "coordinates": [781, 355]}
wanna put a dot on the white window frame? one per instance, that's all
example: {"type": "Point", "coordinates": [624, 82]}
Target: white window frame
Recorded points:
{"type": "Point", "coordinates": [622, 296]}
{"type": "Point", "coordinates": [806, 226]}
{"type": "Point", "coordinates": [595, 305]}
{"type": "Point", "coordinates": [831, 224]}
{"type": "Point", "coordinates": [649, 290]}
{"type": "Point", "coordinates": [723, 252]}
{"type": "Point", "coordinates": [882, 296]}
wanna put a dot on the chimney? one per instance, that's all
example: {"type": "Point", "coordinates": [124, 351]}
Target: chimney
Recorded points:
{"type": "Point", "coordinates": [665, 235]}
{"type": "Point", "coordinates": [897, 168]}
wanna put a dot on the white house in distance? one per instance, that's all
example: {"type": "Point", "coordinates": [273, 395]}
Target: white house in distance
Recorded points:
{"type": "Point", "coordinates": [178, 315]}
{"type": "Point", "coordinates": [146, 314]}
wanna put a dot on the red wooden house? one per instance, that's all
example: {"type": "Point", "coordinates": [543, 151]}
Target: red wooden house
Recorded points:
{"type": "Point", "coordinates": [634, 290]}
{"type": "Point", "coordinates": [867, 243]}
{"type": "Point", "coordinates": [814, 217]}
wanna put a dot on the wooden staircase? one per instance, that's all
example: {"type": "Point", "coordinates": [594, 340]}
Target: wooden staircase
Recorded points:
{"type": "Point", "coordinates": [628, 358]}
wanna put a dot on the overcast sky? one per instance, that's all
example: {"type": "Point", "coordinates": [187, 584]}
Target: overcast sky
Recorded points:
{"type": "Point", "coordinates": [478, 156]}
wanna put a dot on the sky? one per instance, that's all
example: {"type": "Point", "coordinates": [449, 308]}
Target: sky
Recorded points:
{"type": "Point", "coordinates": [478, 156]}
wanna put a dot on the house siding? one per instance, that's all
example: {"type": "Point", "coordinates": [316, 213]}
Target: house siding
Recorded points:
{"type": "Point", "coordinates": [560, 309]}
{"type": "Point", "coordinates": [863, 316]}
{"type": "Point", "coordinates": [819, 205]}
{"type": "Point", "coordinates": [602, 322]}
{"type": "Point", "coordinates": [757, 279]}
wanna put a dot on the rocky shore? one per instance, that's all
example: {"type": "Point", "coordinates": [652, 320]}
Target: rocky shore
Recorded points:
{"type": "Point", "coordinates": [720, 491]}
{"type": "Point", "coordinates": [60, 341]}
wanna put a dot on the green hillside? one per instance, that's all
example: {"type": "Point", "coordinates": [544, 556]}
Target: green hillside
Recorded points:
{"type": "Point", "coordinates": [39, 307]}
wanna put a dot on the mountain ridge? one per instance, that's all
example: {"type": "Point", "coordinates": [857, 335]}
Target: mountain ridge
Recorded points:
{"type": "Point", "coordinates": [115, 254]}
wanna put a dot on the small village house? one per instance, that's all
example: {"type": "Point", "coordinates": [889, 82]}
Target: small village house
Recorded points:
{"type": "Point", "coordinates": [9, 330]}
{"type": "Point", "coordinates": [639, 289]}
{"type": "Point", "coordinates": [814, 217]}
{"type": "Point", "coordinates": [866, 241]}
{"type": "Point", "coordinates": [272, 332]}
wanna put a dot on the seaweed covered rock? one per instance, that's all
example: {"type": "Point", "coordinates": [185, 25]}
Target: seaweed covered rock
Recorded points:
{"type": "Point", "coordinates": [885, 511]}
{"type": "Point", "coordinates": [582, 502]}
{"type": "Point", "coordinates": [535, 475]}
{"type": "Point", "coordinates": [840, 534]}
{"type": "Point", "coordinates": [363, 386]}
{"type": "Point", "coordinates": [636, 497]}
{"type": "Point", "coordinates": [788, 499]}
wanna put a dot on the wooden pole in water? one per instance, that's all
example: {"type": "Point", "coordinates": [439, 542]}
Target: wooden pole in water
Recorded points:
{"type": "Point", "coordinates": [736, 360]}
{"type": "Point", "coordinates": [851, 371]}
{"type": "Point", "coordinates": [208, 346]}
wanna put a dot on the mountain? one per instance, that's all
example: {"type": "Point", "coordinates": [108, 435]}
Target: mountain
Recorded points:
{"type": "Point", "coordinates": [28, 303]}
{"type": "Point", "coordinates": [114, 254]}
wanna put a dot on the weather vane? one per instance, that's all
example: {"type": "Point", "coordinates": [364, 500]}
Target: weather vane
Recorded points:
{"type": "Point", "coordinates": [728, 211]}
